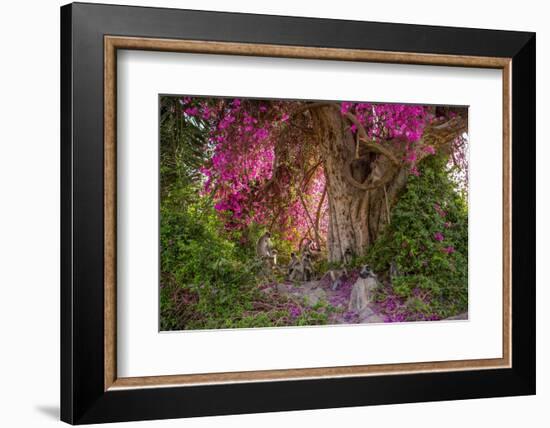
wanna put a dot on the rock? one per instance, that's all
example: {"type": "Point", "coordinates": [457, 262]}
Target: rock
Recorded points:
{"type": "Point", "coordinates": [310, 285]}
{"type": "Point", "coordinates": [374, 319]}
{"type": "Point", "coordinates": [362, 293]}
{"type": "Point", "coordinates": [366, 312]}
{"type": "Point", "coordinates": [367, 315]}
{"type": "Point", "coordinates": [282, 288]}
{"type": "Point", "coordinates": [315, 296]}
{"type": "Point", "coordinates": [462, 316]}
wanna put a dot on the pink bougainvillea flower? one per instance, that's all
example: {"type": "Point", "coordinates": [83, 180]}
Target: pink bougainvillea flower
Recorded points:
{"type": "Point", "coordinates": [430, 150]}
{"type": "Point", "coordinates": [411, 157]}
{"type": "Point", "coordinates": [345, 107]}
{"type": "Point", "coordinates": [191, 111]}
{"type": "Point", "coordinates": [449, 250]}
{"type": "Point", "coordinates": [295, 311]}
{"type": "Point", "coordinates": [438, 236]}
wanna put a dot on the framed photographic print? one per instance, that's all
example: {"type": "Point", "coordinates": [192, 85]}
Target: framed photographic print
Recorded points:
{"type": "Point", "coordinates": [266, 213]}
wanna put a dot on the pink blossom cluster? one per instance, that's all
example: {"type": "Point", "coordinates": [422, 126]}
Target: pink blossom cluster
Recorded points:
{"type": "Point", "coordinates": [242, 157]}
{"type": "Point", "coordinates": [403, 123]}
{"type": "Point", "coordinates": [389, 121]}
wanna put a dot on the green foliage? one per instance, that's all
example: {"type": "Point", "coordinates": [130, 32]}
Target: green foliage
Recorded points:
{"type": "Point", "coordinates": [183, 146]}
{"type": "Point", "coordinates": [428, 241]}
{"type": "Point", "coordinates": [197, 255]}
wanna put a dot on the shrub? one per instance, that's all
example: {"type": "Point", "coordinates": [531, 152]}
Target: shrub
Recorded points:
{"type": "Point", "coordinates": [428, 241]}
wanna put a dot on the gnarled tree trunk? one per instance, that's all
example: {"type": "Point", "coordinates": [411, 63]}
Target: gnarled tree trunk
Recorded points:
{"type": "Point", "coordinates": [356, 216]}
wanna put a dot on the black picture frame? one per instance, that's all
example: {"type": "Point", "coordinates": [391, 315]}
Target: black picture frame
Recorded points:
{"type": "Point", "coordinates": [83, 398]}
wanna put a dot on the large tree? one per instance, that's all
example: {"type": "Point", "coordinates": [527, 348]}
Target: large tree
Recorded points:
{"type": "Point", "coordinates": [327, 171]}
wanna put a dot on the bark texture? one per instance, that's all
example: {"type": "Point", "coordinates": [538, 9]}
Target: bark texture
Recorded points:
{"type": "Point", "coordinates": [359, 207]}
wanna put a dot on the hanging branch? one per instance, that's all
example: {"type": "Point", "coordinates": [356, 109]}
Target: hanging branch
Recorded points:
{"type": "Point", "coordinates": [309, 174]}
{"type": "Point", "coordinates": [368, 142]}
{"type": "Point", "coordinates": [310, 106]}
{"type": "Point", "coordinates": [315, 231]}
{"type": "Point", "coordinates": [388, 218]}
{"type": "Point", "coordinates": [318, 213]}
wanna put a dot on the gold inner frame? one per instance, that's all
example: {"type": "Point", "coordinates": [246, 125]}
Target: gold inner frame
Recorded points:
{"type": "Point", "coordinates": [113, 43]}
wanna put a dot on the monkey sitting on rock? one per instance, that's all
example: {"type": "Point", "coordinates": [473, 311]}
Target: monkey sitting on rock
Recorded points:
{"type": "Point", "coordinates": [300, 269]}
{"type": "Point", "coordinates": [265, 250]}
{"type": "Point", "coordinates": [295, 268]}
{"type": "Point", "coordinates": [310, 248]}
{"type": "Point", "coordinates": [363, 290]}
{"type": "Point", "coordinates": [336, 275]}
{"type": "Point", "coordinates": [307, 267]}
{"type": "Point", "coordinates": [267, 254]}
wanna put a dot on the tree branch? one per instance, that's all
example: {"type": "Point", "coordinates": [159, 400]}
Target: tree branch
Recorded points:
{"type": "Point", "coordinates": [319, 207]}
{"type": "Point", "coordinates": [315, 231]}
{"type": "Point", "coordinates": [310, 106]}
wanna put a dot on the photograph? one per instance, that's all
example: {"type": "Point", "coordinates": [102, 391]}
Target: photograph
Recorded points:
{"type": "Point", "coordinates": [285, 213]}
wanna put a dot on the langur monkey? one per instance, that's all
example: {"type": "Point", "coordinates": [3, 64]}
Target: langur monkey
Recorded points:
{"type": "Point", "coordinates": [267, 254]}
{"type": "Point", "coordinates": [362, 292]}
{"type": "Point", "coordinates": [307, 267]}
{"type": "Point", "coordinates": [295, 268]}
{"type": "Point", "coordinates": [300, 270]}
{"type": "Point", "coordinates": [336, 275]}
{"type": "Point", "coordinates": [264, 248]}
